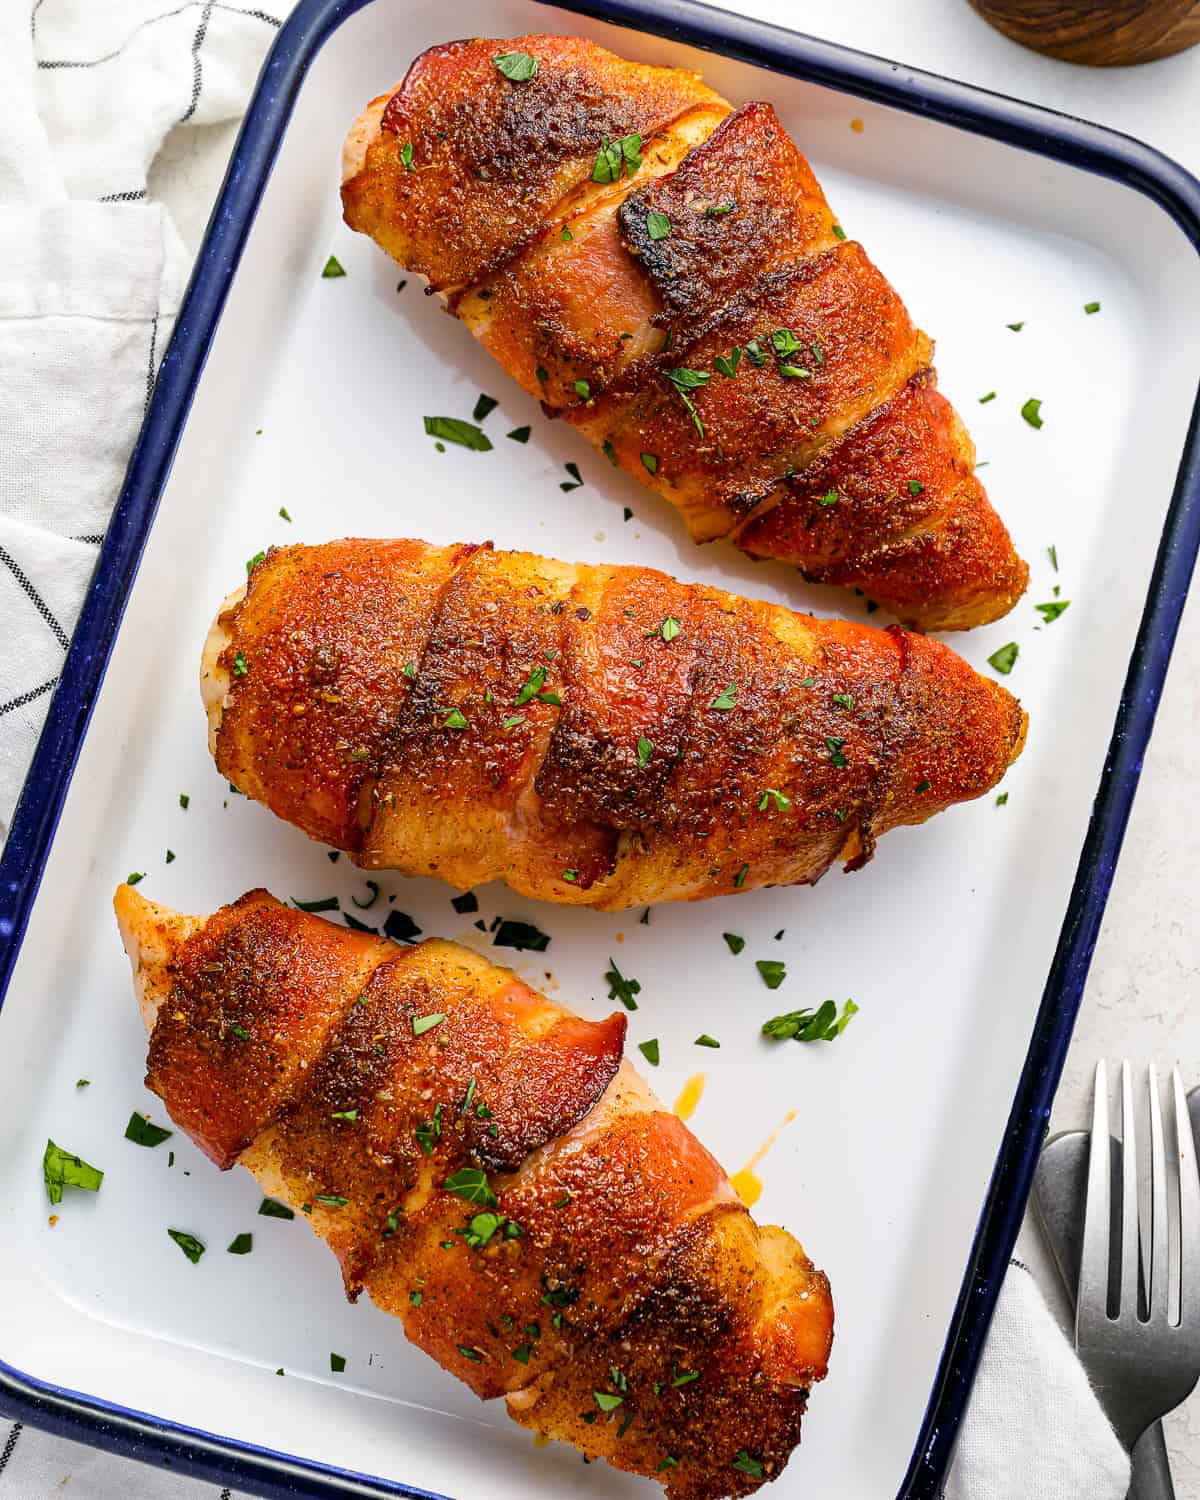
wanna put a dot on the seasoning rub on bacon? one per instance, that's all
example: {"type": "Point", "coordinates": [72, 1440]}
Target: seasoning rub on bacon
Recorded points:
{"type": "Point", "coordinates": [663, 272]}
{"type": "Point", "coordinates": [487, 1168]}
{"type": "Point", "coordinates": [601, 736]}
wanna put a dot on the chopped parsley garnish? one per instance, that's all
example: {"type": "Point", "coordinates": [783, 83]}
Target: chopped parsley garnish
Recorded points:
{"type": "Point", "coordinates": [472, 1354]}
{"type": "Point", "coordinates": [523, 936]}
{"type": "Point", "coordinates": [834, 746]}
{"type": "Point", "coordinates": [755, 353]}
{"type": "Point", "coordinates": [481, 1227]}
{"type": "Point", "coordinates": [784, 342]}
{"type": "Point", "coordinates": [142, 1133]}
{"type": "Point", "coordinates": [658, 226]}
{"type": "Point", "coordinates": [337, 1363]}
{"type": "Point", "coordinates": [82, 1083]}
{"type": "Point", "coordinates": [1031, 411]}
{"type": "Point", "coordinates": [645, 751]}
{"type": "Point", "coordinates": [620, 988]}
{"type": "Point", "coordinates": [271, 1208]}
{"type": "Point", "coordinates": [241, 1244]}
{"type": "Point", "coordinates": [1050, 612]}
{"type": "Point", "coordinates": [333, 267]}
{"type": "Point", "coordinates": [725, 700]}
{"type": "Point", "coordinates": [983, 400]}
{"type": "Point", "coordinates": [518, 67]}
{"type": "Point", "coordinates": [609, 452]}
{"type": "Point", "coordinates": [416, 1298]}
{"type": "Point", "coordinates": [795, 372]}
{"type": "Point", "coordinates": [62, 1169]}
{"type": "Point", "coordinates": [1091, 307]}
{"type": "Point", "coordinates": [512, 721]}
{"type": "Point", "coordinates": [454, 430]}
{"type": "Point", "coordinates": [253, 562]}
{"type": "Point", "coordinates": [704, 1040]}
{"type": "Point", "coordinates": [430, 1131]}
{"type": "Point", "coordinates": [455, 719]}
{"type": "Point", "coordinates": [401, 928]}
{"type": "Point", "coordinates": [1016, 327]}
{"type": "Point", "coordinates": [188, 1243]}
{"type": "Point", "coordinates": [670, 628]}
{"type": "Point", "coordinates": [830, 497]}
{"type": "Point", "coordinates": [728, 365]}
{"type": "Point", "coordinates": [170, 859]}
{"type": "Point", "coordinates": [649, 1051]}
{"type": "Point", "coordinates": [782, 800]}
{"type": "Point", "coordinates": [606, 1401]}
{"type": "Point", "coordinates": [583, 390]}
{"type": "Point", "coordinates": [667, 1463]}
{"type": "Point", "coordinates": [820, 1025]}
{"type": "Point", "coordinates": [326, 903]}
{"type": "Point", "coordinates": [923, 786]}
{"type": "Point", "coordinates": [843, 700]}
{"type": "Point", "coordinates": [471, 1184]}
{"type": "Point", "coordinates": [715, 210]}
{"type": "Point", "coordinates": [915, 486]}
{"type": "Point", "coordinates": [522, 1352]}
{"type": "Point", "coordinates": [422, 1024]}
{"type": "Point", "coordinates": [685, 1377]}
{"type": "Point", "coordinates": [747, 1465]}
{"type": "Point", "coordinates": [373, 888]}
{"type": "Point", "coordinates": [565, 235]}
{"type": "Point", "coordinates": [734, 941]}
{"type": "Point", "coordinates": [739, 880]}
{"type": "Point", "coordinates": [345, 1114]}
{"type": "Point", "coordinates": [1052, 554]}
{"type": "Point", "coordinates": [650, 463]}
{"type": "Point", "coordinates": [531, 687]}
{"type": "Point", "coordinates": [239, 664]}
{"type": "Point", "coordinates": [773, 971]}
{"type": "Point", "coordinates": [839, 232]}
{"type": "Point", "coordinates": [1005, 658]}
{"type": "Point", "coordinates": [467, 902]}
{"type": "Point", "coordinates": [283, 514]}
{"type": "Point", "coordinates": [570, 876]}
{"type": "Point", "coordinates": [331, 1200]}
{"type": "Point", "coordinates": [684, 381]}
{"type": "Point", "coordinates": [484, 406]}
{"type": "Point", "coordinates": [1001, 799]}
{"type": "Point", "coordinates": [519, 434]}
{"type": "Point", "coordinates": [184, 799]}
{"type": "Point", "coordinates": [615, 157]}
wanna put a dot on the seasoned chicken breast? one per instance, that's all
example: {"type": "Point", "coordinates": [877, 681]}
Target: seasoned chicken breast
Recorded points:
{"type": "Point", "coordinates": [487, 1168]}
{"type": "Point", "coordinates": [601, 736]}
{"type": "Point", "coordinates": [663, 272]}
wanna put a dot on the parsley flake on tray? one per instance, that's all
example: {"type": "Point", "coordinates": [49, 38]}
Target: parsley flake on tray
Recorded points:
{"type": "Point", "coordinates": [454, 430]}
{"type": "Point", "coordinates": [62, 1169]}
{"type": "Point", "coordinates": [821, 1025]}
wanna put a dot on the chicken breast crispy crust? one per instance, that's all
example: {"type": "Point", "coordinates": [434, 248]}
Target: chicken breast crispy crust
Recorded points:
{"type": "Point", "coordinates": [487, 1168]}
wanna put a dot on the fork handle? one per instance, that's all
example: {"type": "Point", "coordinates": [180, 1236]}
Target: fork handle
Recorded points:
{"type": "Point", "coordinates": [1151, 1476]}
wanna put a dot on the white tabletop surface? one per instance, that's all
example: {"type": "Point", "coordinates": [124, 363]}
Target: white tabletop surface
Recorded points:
{"type": "Point", "coordinates": [1139, 996]}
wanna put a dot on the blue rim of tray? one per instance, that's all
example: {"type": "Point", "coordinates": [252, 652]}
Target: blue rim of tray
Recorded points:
{"type": "Point", "coordinates": [1077, 143]}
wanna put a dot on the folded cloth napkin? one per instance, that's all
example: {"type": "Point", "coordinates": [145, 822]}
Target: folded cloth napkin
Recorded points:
{"type": "Point", "coordinates": [90, 278]}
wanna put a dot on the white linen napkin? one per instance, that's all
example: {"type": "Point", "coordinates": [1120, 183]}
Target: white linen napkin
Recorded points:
{"type": "Point", "coordinates": [90, 278]}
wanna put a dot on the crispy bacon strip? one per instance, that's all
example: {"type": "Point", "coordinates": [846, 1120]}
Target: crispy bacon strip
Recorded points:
{"type": "Point", "coordinates": [602, 736]}
{"type": "Point", "coordinates": [501, 1182]}
{"type": "Point", "coordinates": [701, 317]}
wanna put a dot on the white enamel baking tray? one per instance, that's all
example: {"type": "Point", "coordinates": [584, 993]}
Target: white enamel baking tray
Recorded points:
{"type": "Point", "coordinates": [313, 398]}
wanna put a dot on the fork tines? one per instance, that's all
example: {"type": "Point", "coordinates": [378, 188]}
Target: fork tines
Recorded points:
{"type": "Point", "coordinates": [1137, 1316]}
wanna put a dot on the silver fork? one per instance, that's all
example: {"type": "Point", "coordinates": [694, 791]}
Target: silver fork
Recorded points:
{"type": "Point", "coordinates": [1140, 1341]}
